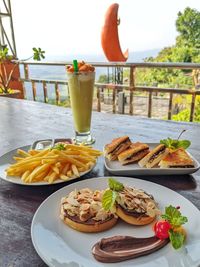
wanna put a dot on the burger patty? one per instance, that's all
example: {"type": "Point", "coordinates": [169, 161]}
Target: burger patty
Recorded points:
{"type": "Point", "coordinates": [133, 213]}
{"type": "Point", "coordinates": [90, 221]}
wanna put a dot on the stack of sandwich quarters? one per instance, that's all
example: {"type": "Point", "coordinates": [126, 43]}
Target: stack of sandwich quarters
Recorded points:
{"type": "Point", "coordinates": [126, 152]}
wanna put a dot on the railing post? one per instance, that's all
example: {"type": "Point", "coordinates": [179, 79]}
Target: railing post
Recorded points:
{"type": "Point", "coordinates": [150, 105]}
{"type": "Point", "coordinates": [45, 92]}
{"type": "Point", "coordinates": [170, 106]}
{"type": "Point", "coordinates": [98, 99]}
{"type": "Point", "coordinates": [114, 99]}
{"type": "Point", "coordinates": [192, 107]}
{"type": "Point", "coordinates": [132, 86]}
{"type": "Point", "coordinates": [24, 89]}
{"type": "Point", "coordinates": [34, 90]}
{"type": "Point", "coordinates": [121, 102]}
{"type": "Point", "coordinates": [57, 94]}
{"type": "Point", "coordinates": [26, 71]}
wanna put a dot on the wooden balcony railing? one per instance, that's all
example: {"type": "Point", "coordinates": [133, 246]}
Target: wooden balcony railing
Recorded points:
{"type": "Point", "coordinates": [119, 90]}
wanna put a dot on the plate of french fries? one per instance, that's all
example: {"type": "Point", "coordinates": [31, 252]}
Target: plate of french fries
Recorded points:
{"type": "Point", "coordinates": [62, 163]}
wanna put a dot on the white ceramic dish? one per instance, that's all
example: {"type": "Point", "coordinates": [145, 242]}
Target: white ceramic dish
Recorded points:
{"type": "Point", "coordinates": [116, 168]}
{"type": "Point", "coordinates": [7, 159]}
{"type": "Point", "coordinates": [59, 245]}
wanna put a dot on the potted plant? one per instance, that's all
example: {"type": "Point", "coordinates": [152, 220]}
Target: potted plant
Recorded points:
{"type": "Point", "coordinates": [9, 69]}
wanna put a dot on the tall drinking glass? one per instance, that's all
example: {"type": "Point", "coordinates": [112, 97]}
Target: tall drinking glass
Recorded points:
{"type": "Point", "coordinates": [81, 88]}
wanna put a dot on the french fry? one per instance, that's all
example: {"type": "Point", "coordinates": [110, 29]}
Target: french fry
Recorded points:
{"type": "Point", "coordinates": [25, 175]}
{"type": "Point", "coordinates": [75, 170]}
{"type": "Point", "coordinates": [65, 169]}
{"type": "Point", "coordinates": [81, 169]}
{"type": "Point", "coordinates": [23, 153]}
{"type": "Point", "coordinates": [64, 177]}
{"type": "Point", "coordinates": [55, 169]}
{"type": "Point", "coordinates": [17, 158]}
{"type": "Point", "coordinates": [33, 152]}
{"type": "Point", "coordinates": [58, 165]}
{"type": "Point", "coordinates": [90, 164]}
{"type": "Point", "coordinates": [47, 160]}
{"type": "Point", "coordinates": [38, 170]}
{"type": "Point", "coordinates": [69, 173]}
{"type": "Point", "coordinates": [52, 177]}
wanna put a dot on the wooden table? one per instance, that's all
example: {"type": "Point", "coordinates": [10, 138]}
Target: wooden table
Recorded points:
{"type": "Point", "coordinates": [22, 122]}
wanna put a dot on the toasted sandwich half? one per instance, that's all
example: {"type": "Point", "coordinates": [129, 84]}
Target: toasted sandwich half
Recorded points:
{"type": "Point", "coordinates": [118, 145]}
{"type": "Point", "coordinates": [136, 152]}
{"type": "Point", "coordinates": [177, 159]}
{"type": "Point", "coordinates": [154, 156]}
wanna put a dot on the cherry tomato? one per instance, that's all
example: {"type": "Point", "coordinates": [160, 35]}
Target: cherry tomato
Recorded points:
{"type": "Point", "coordinates": [161, 229]}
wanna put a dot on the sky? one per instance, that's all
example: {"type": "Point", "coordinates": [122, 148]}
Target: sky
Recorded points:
{"type": "Point", "coordinates": [65, 27]}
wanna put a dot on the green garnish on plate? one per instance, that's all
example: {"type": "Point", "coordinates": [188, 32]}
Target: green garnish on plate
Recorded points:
{"type": "Point", "coordinates": [171, 226]}
{"type": "Point", "coordinates": [174, 217]}
{"type": "Point", "coordinates": [59, 146]}
{"type": "Point", "coordinates": [110, 195]}
{"type": "Point", "coordinates": [176, 143]}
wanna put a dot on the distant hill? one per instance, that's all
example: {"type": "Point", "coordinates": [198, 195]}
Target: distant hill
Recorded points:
{"type": "Point", "coordinates": [137, 56]}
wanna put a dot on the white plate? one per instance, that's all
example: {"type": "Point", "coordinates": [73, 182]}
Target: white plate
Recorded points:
{"type": "Point", "coordinates": [59, 245]}
{"type": "Point", "coordinates": [116, 168]}
{"type": "Point", "coordinates": [7, 159]}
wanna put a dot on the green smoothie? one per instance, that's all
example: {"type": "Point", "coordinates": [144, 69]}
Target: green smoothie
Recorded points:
{"type": "Point", "coordinates": [81, 87]}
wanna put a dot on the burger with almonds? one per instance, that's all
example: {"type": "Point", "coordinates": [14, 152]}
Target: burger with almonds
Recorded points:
{"type": "Point", "coordinates": [132, 205]}
{"type": "Point", "coordinates": [82, 210]}
{"type": "Point", "coordinates": [135, 206]}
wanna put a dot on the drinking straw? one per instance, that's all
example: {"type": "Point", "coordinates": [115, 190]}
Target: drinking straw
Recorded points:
{"type": "Point", "coordinates": [75, 64]}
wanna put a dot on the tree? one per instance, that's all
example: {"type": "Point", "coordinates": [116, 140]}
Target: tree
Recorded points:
{"type": "Point", "coordinates": [186, 49]}
{"type": "Point", "coordinates": [103, 78]}
{"type": "Point", "coordinates": [188, 26]}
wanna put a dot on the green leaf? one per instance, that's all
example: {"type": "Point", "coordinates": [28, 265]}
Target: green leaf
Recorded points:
{"type": "Point", "coordinates": [59, 146]}
{"type": "Point", "coordinates": [174, 144]}
{"type": "Point", "coordinates": [38, 53]}
{"type": "Point", "coordinates": [108, 199]}
{"type": "Point", "coordinates": [115, 185]}
{"type": "Point", "coordinates": [176, 222]}
{"type": "Point", "coordinates": [184, 143]}
{"type": "Point", "coordinates": [174, 217]}
{"type": "Point", "coordinates": [176, 238]}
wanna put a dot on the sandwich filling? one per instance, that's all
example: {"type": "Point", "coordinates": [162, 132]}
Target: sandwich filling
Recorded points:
{"type": "Point", "coordinates": [156, 154]}
{"type": "Point", "coordinates": [137, 202]}
{"type": "Point", "coordinates": [84, 206]}
{"type": "Point", "coordinates": [137, 153]}
{"type": "Point", "coordinates": [119, 146]}
{"type": "Point", "coordinates": [181, 166]}
{"type": "Point", "coordinates": [177, 159]}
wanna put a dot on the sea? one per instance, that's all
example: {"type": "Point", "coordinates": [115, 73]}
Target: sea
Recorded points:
{"type": "Point", "coordinates": [58, 73]}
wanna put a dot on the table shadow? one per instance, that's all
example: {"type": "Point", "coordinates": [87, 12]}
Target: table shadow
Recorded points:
{"type": "Point", "coordinates": [178, 182]}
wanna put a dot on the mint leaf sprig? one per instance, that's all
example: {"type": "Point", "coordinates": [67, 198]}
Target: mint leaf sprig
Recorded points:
{"type": "Point", "coordinates": [177, 239]}
{"type": "Point", "coordinates": [176, 143]}
{"type": "Point", "coordinates": [176, 220]}
{"type": "Point", "coordinates": [110, 195]}
{"type": "Point", "coordinates": [174, 217]}
{"type": "Point", "coordinates": [115, 185]}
